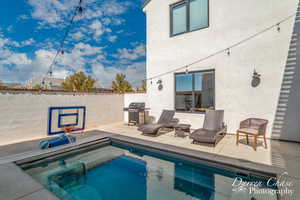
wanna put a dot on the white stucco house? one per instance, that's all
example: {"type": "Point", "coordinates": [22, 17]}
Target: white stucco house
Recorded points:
{"type": "Point", "coordinates": [208, 37]}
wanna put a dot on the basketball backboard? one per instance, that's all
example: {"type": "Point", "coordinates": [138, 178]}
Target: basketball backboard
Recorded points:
{"type": "Point", "coordinates": [61, 117]}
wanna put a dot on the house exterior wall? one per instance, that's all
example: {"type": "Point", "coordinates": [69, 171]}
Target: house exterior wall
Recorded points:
{"type": "Point", "coordinates": [24, 115]}
{"type": "Point", "coordinates": [229, 22]}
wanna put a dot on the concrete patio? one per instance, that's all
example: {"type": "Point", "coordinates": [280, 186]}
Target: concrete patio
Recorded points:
{"type": "Point", "coordinates": [273, 155]}
{"type": "Point", "coordinates": [284, 155]}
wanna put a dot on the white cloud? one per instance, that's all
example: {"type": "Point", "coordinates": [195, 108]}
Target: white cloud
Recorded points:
{"type": "Point", "coordinates": [16, 59]}
{"type": "Point", "coordinates": [6, 42]}
{"type": "Point", "coordinates": [132, 54]}
{"type": "Point", "coordinates": [56, 12]}
{"type": "Point", "coordinates": [27, 42]}
{"type": "Point", "coordinates": [112, 38]}
{"type": "Point", "coordinates": [97, 28]}
{"type": "Point", "coordinates": [51, 12]}
{"type": "Point", "coordinates": [134, 72]}
{"type": "Point", "coordinates": [18, 67]}
{"type": "Point", "coordinates": [23, 17]}
{"type": "Point", "coordinates": [78, 35]}
{"type": "Point", "coordinates": [114, 7]}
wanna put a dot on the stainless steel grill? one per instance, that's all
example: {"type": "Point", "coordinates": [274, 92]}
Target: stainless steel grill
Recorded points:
{"type": "Point", "coordinates": [136, 113]}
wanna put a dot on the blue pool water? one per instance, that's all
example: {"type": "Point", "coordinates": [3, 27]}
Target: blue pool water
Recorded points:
{"type": "Point", "coordinates": [124, 173]}
{"type": "Point", "coordinates": [103, 181]}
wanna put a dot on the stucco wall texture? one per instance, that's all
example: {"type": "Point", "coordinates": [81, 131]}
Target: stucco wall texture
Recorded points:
{"type": "Point", "coordinates": [24, 116]}
{"type": "Point", "coordinates": [229, 22]}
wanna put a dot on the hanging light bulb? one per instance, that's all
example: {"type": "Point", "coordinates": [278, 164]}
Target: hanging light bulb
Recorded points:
{"type": "Point", "coordinates": [80, 9]}
{"type": "Point", "coordinates": [228, 52]}
{"type": "Point", "coordinates": [186, 70]}
{"type": "Point", "coordinates": [278, 27]}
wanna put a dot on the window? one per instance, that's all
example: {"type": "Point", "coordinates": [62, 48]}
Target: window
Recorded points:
{"type": "Point", "coordinates": [195, 91]}
{"type": "Point", "coordinates": [188, 16]}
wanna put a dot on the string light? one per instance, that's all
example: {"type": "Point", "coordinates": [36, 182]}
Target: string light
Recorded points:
{"type": "Point", "coordinates": [186, 70]}
{"type": "Point", "coordinates": [228, 51]}
{"type": "Point", "coordinates": [228, 48]}
{"type": "Point", "coordinates": [60, 50]}
{"type": "Point", "coordinates": [278, 27]}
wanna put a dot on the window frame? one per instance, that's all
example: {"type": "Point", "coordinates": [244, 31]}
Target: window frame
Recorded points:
{"type": "Point", "coordinates": [187, 2]}
{"type": "Point", "coordinates": [193, 90]}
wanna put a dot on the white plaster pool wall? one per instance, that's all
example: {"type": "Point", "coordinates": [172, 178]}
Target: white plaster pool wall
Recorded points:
{"type": "Point", "coordinates": [24, 116]}
{"type": "Point", "coordinates": [230, 22]}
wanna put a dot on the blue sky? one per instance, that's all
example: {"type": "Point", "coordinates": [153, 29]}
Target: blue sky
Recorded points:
{"type": "Point", "coordinates": [108, 38]}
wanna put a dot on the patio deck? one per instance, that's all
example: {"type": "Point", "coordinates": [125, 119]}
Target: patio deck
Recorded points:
{"type": "Point", "coordinates": [226, 147]}
{"type": "Point", "coordinates": [280, 154]}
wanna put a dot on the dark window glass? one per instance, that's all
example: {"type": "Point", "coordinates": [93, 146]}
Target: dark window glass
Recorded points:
{"type": "Point", "coordinates": [189, 16]}
{"type": "Point", "coordinates": [198, 14]}
{"type": "Point", "coordinates": [179, 14]}
{"type": "Point", "coordinates": [195, 91]}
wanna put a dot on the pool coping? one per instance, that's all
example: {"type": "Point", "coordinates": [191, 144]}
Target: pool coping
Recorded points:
{"type": "Point", "coordinates": [211, 159]}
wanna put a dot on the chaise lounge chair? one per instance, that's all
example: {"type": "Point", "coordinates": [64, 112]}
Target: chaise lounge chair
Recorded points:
{"type": "Point", "coordinates": [213, 128]}
{"type": "Point", "coordinates": [166, 120]}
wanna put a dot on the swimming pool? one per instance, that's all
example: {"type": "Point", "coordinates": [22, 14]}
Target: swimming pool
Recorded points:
{"type": "Point", "coordinates": [121, 172]}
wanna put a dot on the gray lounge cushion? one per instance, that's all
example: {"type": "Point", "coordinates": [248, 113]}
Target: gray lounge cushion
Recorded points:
{"type": "Point", "coordinates": [203, 135]}
{"type": "Point", "coordinates": [150, 128]}
{"type": "Point", "coordinates": [165, 121]}
{"type": "Point", "coordinates": [213, 120]}
{"type": "Point", "coordinates": [212, 129]}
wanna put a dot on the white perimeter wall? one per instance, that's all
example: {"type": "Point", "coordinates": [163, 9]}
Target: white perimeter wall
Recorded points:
{"type": "Point", "coordinates": [24, 116]}
{"type": "Point", "coordinates": [134, 97]}
{"type": "Point", "coordinates": [230, 21]}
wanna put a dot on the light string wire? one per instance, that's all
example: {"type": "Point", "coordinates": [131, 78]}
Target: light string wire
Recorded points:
{"type": "Point", "coordinates": [78, 9]}
{"type": "Point", "coordinates": [227, 49]}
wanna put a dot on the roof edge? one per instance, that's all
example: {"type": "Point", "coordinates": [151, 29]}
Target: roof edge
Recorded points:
{"type": "Point", "coordinates": [145, 3]}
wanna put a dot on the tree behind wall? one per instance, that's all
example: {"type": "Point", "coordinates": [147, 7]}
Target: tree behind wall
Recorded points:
{"type": "Point", "coordinates": [144, 86]}
{"type": "Point", "coordinates": [121, 85]}
{"type": "Point", "coordinates": [79, 82]}
{"type": "Point", "coordinates": [2, 86]}
{"type": "Point", "coordinates": [38, 87]}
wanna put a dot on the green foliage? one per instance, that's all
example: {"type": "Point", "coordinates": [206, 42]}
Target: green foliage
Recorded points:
{"type": "Point", "coordinates": [144, 85]}
{"type": "Point", "coordinates": [2, 86]}
{"type": "Point", "coordinates": [37, 87]}
{"type": "Point", "coordinates": [79, 82]}
{"type": "Point", "coordinates": [121, 85]}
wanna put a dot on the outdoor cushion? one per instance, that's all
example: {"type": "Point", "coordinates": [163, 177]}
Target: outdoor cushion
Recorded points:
{"type": "Point", "coordinates": [213, 119]}
{"type": "Point", "coordinates": [166, 120]}
{"type": "Point", "coordinates": [57, 141]}
{"type": "Point", "coordinates": [150, 128]}
{"type": "Point", "coordinates": [249, 130]}
{"type": "Point", "coordinates": [203, 135]}
{"type": "Point", "coordinates": [213, 128]}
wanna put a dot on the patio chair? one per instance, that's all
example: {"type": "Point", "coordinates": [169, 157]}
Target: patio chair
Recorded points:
{"type": "Point", "coordinates": [213, 128]}
{"type": "Point", "coordinates": [166, 120]}
{"type": "Point", "coordinates": [254, 127]}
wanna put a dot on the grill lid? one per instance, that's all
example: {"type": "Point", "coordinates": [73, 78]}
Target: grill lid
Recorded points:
{"type": "Point", "coordinates": [137, 105]}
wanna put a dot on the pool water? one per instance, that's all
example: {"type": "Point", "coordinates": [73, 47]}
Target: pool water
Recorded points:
{"type": "Point", "coordinates": [124, 173]}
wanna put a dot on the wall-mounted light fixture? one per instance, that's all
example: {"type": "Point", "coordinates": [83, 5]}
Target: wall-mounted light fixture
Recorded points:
{"type": "Point", "coordinates": [255, 79]}
{"type": "Point", "coordinates": [160, 85]}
